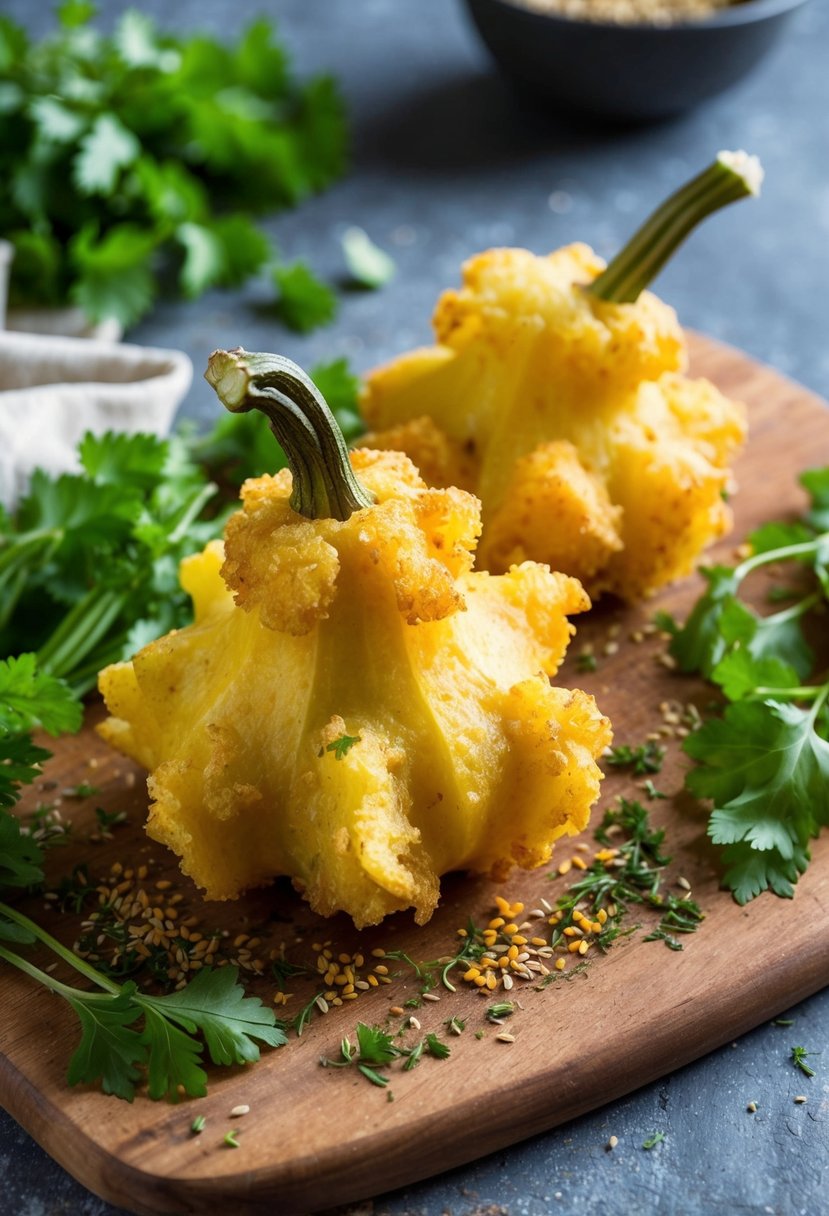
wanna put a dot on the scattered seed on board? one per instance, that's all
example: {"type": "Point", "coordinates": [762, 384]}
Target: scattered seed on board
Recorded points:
{"type": "Point", "coordinates": [800, 1099]}
{"type": "Point", "coordinates": [612, 1142]}
{"type": "Point", "coordinates": [238, 1111]}
{"type": "Point", "coordinates": [505, 1037]}
{"type": "Point", "coordinates": [751, 1108]}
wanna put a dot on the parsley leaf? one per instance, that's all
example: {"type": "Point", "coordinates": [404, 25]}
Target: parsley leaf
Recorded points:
{"type": "Point", "coordinates": [123, 150]}
{"type": "Point", "coordinates": [304, 301]}
{"type": "Point", "coordinates": [215, 1003]}
{"type": "Point", "coordinates": [767, 771]}
{"type": "Point", "coordinates": [29, 697]}
{"type": "Point", "coordinates": [765, 763]}
{"type": "Point", "coordinates": [20, 855]}
{"type": "Point", "coordinates": [173, 1059]}
{"type": "Point", "coordinates": [109, 1050]}
{"type": "Point", "coordinates": [108, 148]}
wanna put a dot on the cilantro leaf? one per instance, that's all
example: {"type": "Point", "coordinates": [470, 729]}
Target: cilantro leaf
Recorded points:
{"type": "Point", "coordinates": [29, 697]}
{"type": "Point", "coordinates": [215, 1003]}
{"type": "Point", "coordinates": [304, 302]}
{"type": "Point", "coordinates": [108, 1049]}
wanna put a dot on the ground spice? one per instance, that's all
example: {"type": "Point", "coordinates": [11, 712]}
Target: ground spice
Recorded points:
{"type": "Point", "coordinates": [630, 12]}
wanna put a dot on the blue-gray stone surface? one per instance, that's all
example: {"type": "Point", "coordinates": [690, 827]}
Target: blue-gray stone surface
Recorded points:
{"type": "Point", "coordinates": [444, 164]}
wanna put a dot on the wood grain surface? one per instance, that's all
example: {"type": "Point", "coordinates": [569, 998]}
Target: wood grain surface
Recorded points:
{"type": "Point", "coordinates": [317, 1137]}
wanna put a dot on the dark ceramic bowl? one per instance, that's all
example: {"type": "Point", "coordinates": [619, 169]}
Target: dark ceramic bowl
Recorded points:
{"type": "Point", "coordinates": [628, 71]}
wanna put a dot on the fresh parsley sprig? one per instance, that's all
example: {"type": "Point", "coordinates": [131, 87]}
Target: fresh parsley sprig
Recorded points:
{"type": "Point", "coordinates": [765, 762]}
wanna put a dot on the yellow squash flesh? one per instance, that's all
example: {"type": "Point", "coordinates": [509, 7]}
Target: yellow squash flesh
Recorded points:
{"type": "Point", "coordinates": [375, 629]}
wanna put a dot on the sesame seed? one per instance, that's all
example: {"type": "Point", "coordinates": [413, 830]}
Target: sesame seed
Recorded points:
{"type": "Point", "coordinates": [430, 996]}
{"type": "Point", "coordinates": [800, 1099]}
{"type": "Point", "coordinates": [751, 1108]}
{"type": "Point", "coordinates": [238, 1111]}
{"type": "Point", "coordinates": [612, 1142]}
{"type": "Point", "coordinates": [505, 1037]}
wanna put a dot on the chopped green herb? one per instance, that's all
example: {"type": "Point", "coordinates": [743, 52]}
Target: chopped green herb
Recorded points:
{"type": "Point", "coordinates": [83, 790]}
{"type": "Point", "coordinates": [586, 662]}
{"type": "Point", "coordinates": [455, 1025]}
{"type": "Point", "coordinates": [230, 1139]}
{"type": "Point", "coordinates": [645, 759]}
{"type": "Point", "coordinates": [109, 819]}
{"type": "Point", "coordinates": [799, 1057]}
{"type": "Point", "coordinates": [651, 790]}
{"type": "Point", "coordinates": [342, 746]}
{"type": "Point", "coordinates": [652, 1141]}
{"type": "Point", "coordinates": [198, 1125]}
{"type": "Point", "coordinates": [503, 1009]}
{"type": "Point", "coordinates": [783, 1022]}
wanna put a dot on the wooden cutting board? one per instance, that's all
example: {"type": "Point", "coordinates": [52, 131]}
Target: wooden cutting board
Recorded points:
{"type": "Point", "coordinates": [317, 1137]}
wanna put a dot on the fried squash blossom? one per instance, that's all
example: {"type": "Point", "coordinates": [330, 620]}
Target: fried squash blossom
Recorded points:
{"type": "Point", "coordinates": [557, 393]}
{"type": "Point", "coordinates": [353, 706]}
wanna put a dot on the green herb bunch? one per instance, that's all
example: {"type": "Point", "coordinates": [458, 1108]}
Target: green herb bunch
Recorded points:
{"type": "Point", "coordinates": [122, 155]}
{"type": "Point", "coordinates": [764, 762]}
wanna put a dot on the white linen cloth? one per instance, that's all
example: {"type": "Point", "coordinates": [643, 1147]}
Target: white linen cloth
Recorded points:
{"type": "Point", "coordinates": [54, 389]}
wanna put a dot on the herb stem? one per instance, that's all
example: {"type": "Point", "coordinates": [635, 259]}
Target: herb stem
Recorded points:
{"type": "Point", "coordinates": [324, 484]}
{"type": "Point", "coordinates": [49, 981]}
{"type": "Point", "coordinates": [732, 176]}
{"type": "Point", "coordinates": [80, 631]}
{"type": "Point", "coordinates": [806, 548]}
{"type": "Point", "coordinates": [803, 692]}
{"type": "Point", "coordinates": [61, 951]}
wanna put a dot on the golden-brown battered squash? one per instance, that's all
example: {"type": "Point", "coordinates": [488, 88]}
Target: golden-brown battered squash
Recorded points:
{"type": "Point", "coordinates": [569, 413]}
{"type": "Point", "coordinates": [356, 708]}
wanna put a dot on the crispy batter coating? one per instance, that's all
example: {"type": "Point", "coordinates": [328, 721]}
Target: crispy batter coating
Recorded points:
{"type": "Point", "coordinates": [571, 418]}
{"type": "Point", "coordinates": [355, 708]}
